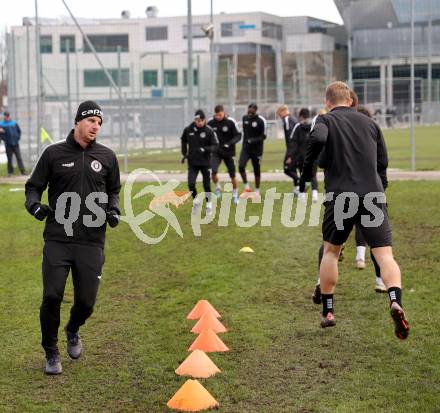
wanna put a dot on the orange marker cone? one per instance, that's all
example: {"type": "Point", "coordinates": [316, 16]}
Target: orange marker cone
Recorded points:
{"type": "Point", "coordinates": [201, 308]}
{"type": "Point", "coordinates": [198, 365]}
{"type": "Point", "coordinates": [208, 321]}
{"type": "Point", "coordinates": [192, 397]}
{"type": "Point", "coordinates": [208, 342]}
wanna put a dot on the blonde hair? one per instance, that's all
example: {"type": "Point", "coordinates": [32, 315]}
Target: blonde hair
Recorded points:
{"type": "Point", "coordinates": [338, 92]}
{"type": "Point", "coordinates": [282, 108]}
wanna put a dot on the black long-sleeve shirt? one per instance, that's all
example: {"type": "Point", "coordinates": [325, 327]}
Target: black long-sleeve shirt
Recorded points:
{"type": "Point", "coordinates": [66, 167]}
{"type": "Point", "coordinates": [198, 143]}
{"type": "Point", "coordinates": [228, 134]}
{"type": "Point", "coordinates": [299, 139]}
{"type": "Point", "coordinates": [355, 151]}
{"type": "Point", "coordinates": [289, 123]}
{"type": "Point", "coordinates": [254, 133]}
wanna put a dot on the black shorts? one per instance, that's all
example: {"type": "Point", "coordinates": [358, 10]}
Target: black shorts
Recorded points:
{"type": "Point", "coordinates": [216, 160]}
{"type": "Point", "coordinates": [372, 222]}
{"type": "Point", "coordinates": [246, 155]}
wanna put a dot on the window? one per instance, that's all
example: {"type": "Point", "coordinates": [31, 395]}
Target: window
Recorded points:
{"type": "Point", "coordinates": [366, 72]}
{"type": "Point", "coordinates": [170, 77]}
{"type": "Point", "coordinates": [107, 43]}
{"type": "Point", "coordinates": [197, 31]}
{"type": "Point", "coordinates": [67, 40]}
{"type": "Point", "coordinates": [420, 71]}
{"type": "Point", "coordinates": [272, 30]}
{"type": "Point", "coordinates": [156, 33]}
{"type": "Point", "coordinates": [195, 77]}
{"type": "Point", "coordinates": [97, 77]}
{"type": "Point", "coordinates": [150, 78]}
{"type": "Point", "coordinates": [46, 44]}
{"type": "Point", "coordinates": [232, 29]}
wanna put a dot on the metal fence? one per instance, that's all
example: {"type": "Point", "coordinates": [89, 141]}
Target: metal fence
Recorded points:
{"type": "Point", "coordinates": [142, 80]}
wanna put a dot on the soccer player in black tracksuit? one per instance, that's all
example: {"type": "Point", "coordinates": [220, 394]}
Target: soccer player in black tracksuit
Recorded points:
{"type": "Point", "coordinates": [289, 166]}
{"type": "Point", "coordinates": [296, 150]}
{"type": "Point", "coordinates": [229, 135]}
{"type": "Point", "coordinates": [254, 134]}
{"type": "Point", "coordinates": [355, 157]}
{"type": "Point", "coordinates": [198, 142]}
{"type": "Point", "coordinates": [83, 180]}
{"type": "Point", "coordinates": [360, 240]}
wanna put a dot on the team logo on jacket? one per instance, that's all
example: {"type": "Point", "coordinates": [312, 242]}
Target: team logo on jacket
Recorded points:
{"type": "Point", "coordinates": [203, 135]}
{"type": "Point", "coordinates": [254, 124]}
{"type": "Point", "coordinates": [96, 165]}
{"type": "Point", "coordinates": [225, 128]}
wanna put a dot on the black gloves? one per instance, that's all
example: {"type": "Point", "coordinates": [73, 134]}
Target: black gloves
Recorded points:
{"type": "Point", "coordinates": [112, 218]}
{"type": "Point", "coordinates": [41, 211]}
{"type": "Point", "coordinates": [183, 159]}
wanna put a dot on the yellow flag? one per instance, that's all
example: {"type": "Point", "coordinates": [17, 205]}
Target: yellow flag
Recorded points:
{"type": "Point", "coordinates": [45, 136]}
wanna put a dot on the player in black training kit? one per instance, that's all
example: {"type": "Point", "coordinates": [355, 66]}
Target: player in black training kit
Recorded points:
{"type": "Point", "coordinates": [289, 164]}
{"type": "Point", "coordinates": [198, 142]}
{"type": "Point", "coordinates": [296, 151]}
{"type": "Point", "coordinates": [228, 135]}
{"type": "Point", "coordinates": [355, 157]}
{"type": "Point", "coordinates": [83, 180]}
{"type": "Point", "coordinates": [254, 134]}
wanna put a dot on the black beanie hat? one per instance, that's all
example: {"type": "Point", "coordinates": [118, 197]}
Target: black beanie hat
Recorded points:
{"type": "Point", "coordinates": [199, 114]}
{"type": "Point", "coordinates": [87, 109]}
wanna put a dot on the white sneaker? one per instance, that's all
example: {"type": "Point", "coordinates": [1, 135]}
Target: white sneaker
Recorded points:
{"type": "Point", "coordinates": [380, 286]}
{"type": "Point", "coordinates": [196, 206]}
{"type": "Point", "coordinates": [360, 264]}
{"type": "Point", "coordinates": [302, 197]}
{"type": "Point", "coordinates": [314, 195]}
{"type": "Point", "coordinates": [208, 208]}
{"type": "Point", "coordinates": [296, 191]}
{"type": "Point", "coordinates": [235, 199]}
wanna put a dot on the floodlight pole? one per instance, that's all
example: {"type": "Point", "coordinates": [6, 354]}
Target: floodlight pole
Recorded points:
{"type": "Point", "coordinates": [211, 62]}
{"type": "Point", "coordinates": [412, 97]}
{"type": "Point", "coordinates": [39, 77]}
{"type": "Point", "coordinates": [189, 74]}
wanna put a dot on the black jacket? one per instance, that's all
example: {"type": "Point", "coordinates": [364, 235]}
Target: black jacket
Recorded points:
{"type": "Point", "coordinates": [254, 133]}
{"type": "Point", "coordinates": [66, 167]}
{"type": "Point", "coordinates": [228, 133]}
{"type": "Point", "coordinates": [289, 123]}
{"type": "Point", "coordinates": [298, 141]}
{"type": "Point", "coordinates": [355, 154]}
{"type": "Point", "coordinates": [197, 144]}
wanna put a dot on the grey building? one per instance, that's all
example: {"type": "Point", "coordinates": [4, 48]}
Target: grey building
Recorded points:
{"type": "Point", "coordinates": [380, 40]}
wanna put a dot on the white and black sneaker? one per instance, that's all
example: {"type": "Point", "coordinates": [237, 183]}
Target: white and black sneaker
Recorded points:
{"type": "Point", "coordinates": [74, 344]}
{"type": "Point", "coordinates": [53, 363]}
{"type": "Point", "coordinates": [196, 206]}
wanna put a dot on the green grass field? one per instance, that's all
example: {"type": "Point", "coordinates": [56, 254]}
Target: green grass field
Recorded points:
{"type": "Point", "coordinates": [280, 361]}
{"type": "Point", "coordinates": [398, 143]}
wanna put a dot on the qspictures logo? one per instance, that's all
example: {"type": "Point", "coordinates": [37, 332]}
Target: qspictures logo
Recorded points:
{"type": "Point", "coordinates": [291, 211]}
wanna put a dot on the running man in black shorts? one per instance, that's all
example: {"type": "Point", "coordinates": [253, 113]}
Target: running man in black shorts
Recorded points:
{"type": "Point", "coordinates": [228, 135]}
{"type": "Point", "coordinates": [355, 157]}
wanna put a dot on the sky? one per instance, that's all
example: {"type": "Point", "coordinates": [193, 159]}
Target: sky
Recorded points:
{"type": "Point", "coordinates": [12, 16]}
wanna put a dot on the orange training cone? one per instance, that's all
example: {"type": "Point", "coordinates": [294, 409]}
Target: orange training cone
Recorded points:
{"type": "Point", "coordinates": [201, 308]}
{"type": "Point", "coordinates": [192, 397]}
{"type": "Point", "coordinates": [198, 365]}
{"type": "Point", "coordinates": [208, 342]}
{"type": "Point", "coordinates": [208, 321]}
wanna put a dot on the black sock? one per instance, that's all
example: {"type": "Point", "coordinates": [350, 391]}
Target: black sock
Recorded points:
{"type": "Point", "coordinates": [327, 304]}
{"type": "Point", "coordinates": [395, 294]}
